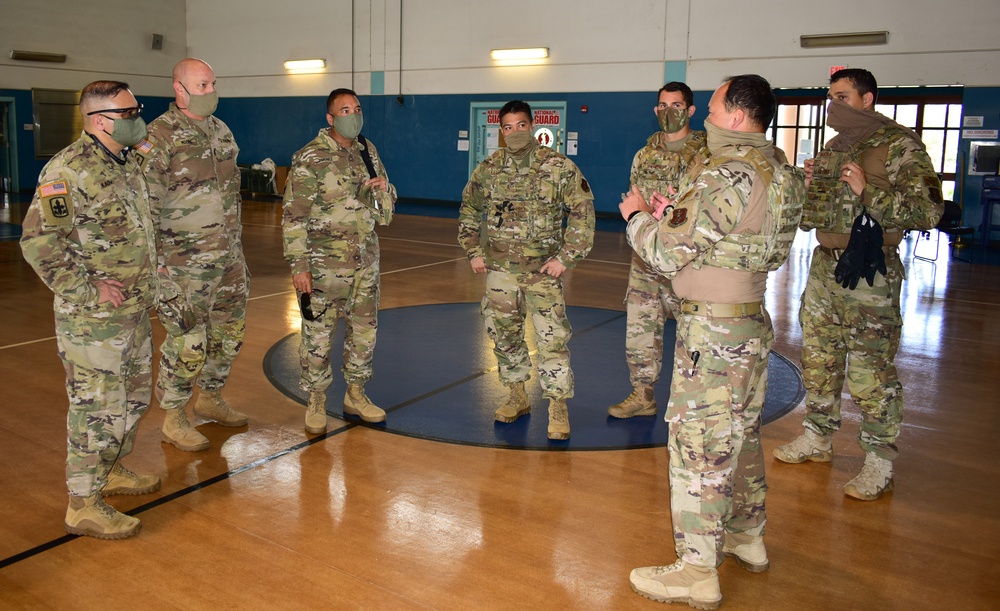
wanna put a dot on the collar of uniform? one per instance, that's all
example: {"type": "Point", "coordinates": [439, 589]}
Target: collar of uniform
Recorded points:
{"type": "Point", "coordinates": [334, 145]}
{"type": "Point", "coordinates": [205, 124]}
{"type": "Point", "coordinates": [111, 156]}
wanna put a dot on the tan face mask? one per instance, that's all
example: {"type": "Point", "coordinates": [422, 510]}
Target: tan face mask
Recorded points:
{"type": "Point", "coordinates": [518, 142]}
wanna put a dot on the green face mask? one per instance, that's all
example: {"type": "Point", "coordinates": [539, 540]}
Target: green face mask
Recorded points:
{"type": "Point", "coordinates": [518, 142]}
{"type": "Point", "coordinates": [202, 105]}
{"type": "Point", "coordinates": [672, 120]}
{"type": "Point", "coordinates": [349, 126]}
{"type": "Point", "coordinates": [128, 132]}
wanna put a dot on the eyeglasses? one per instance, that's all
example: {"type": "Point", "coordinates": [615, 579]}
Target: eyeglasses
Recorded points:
{"type": "Point", "coordinates": [305, 306]}
{"type": "Point", "coordinates": [126, 113]}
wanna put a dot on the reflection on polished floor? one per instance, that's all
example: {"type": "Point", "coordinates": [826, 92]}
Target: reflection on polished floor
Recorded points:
{"type": "Point", "coordinates": [269, 517]}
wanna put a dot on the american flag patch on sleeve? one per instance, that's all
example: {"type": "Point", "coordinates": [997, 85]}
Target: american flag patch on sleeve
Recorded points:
{"type": "Point", "coordinates": [53, 188]}
{"type": "Point", "coordinates": [144, 147]}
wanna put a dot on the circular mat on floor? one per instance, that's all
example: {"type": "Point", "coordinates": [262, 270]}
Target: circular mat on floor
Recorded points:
{"type": "Point", "coordinates": [435, 375]}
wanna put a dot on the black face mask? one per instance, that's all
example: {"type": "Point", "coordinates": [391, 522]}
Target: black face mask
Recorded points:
{"type": "Point", "coordinates": [305, 306]}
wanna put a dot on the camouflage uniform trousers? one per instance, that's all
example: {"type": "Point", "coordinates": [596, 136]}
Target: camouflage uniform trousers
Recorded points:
{"type": "Point", "coordinates": [109, 380]}
{"type": "Point", "coordinates": [857, 331]}
{"type": "Point", "coordinates": [353, 294]}
{"type": "Point", "coordinates": [509, 298]}
{"type": "Point", "coordinates": [649, 301]}
{"type": "Point", "coordinates": [203, 349]}
{"type": "Point", "coordinates": [716, 461]}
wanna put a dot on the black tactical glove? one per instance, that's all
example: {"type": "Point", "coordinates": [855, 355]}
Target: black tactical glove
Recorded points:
{"type": "Point", "coordinates": [851, 265]}
{"type": "Point", "coordinates": [874, 256]}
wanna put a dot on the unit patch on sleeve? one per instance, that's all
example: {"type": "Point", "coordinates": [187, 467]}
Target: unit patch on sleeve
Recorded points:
{"type": "Point", "coordinates": [56, 204]}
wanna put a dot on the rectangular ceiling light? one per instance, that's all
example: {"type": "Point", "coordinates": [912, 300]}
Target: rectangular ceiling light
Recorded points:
{"type": "Point", "coordinates": [851, 39]}
{"type": "Point", "coordinates": [305, 64]}
{"type": "Point", "coordinates": [35, 56]}
{"type": "Point", "coordinates": [516, 54]}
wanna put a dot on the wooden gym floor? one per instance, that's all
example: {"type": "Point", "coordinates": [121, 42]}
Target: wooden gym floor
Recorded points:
{"type": "Point", "coordinates": [361, 518]}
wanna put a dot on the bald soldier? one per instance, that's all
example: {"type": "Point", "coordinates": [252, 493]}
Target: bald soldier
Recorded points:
{"type": "Point", "coordinates": [89, 236]}
{"type": "Point", "coordinates": [190, 163]}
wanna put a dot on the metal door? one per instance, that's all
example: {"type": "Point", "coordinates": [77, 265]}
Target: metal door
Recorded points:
{"type": "Point", "coordinates": [549, 120]}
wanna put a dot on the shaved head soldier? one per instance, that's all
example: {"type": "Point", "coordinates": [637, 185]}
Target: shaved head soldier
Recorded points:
{"type": "Point", "coordinates": [194, 185]}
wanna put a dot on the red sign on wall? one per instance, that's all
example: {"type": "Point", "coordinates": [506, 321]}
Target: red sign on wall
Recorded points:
{"type": "Point", "coordinates": [542, 117]}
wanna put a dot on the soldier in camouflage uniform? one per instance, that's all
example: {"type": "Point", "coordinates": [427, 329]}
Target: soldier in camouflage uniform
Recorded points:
{"type": "Point", "coordinates": [331, 206]}
{"type": "Point", "coordinates": [520, 196]}
{"type": "Point", "coordinates": [656, 168]}
{"type": "Point", "coordinates": [89, 236]}
{"type": "Point", "coordinates": [874, 165]}
{"type": "Point", "coordinates": [717, 240]}
{"type": "Point", "coordinates": [194, 188]}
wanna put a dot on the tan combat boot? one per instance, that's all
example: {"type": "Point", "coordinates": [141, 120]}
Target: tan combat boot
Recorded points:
{"type": "Point", "coordinates": [211, 406]}
{"type": "Point", "coordinates": [516, 405]}
{"type": "Point", "coordinates": [357, 403]}
{"type": "Point", "coordinates": [808, 446]}
{"type": "Point", "coordinates": [874, 479]}
{"type": "Point", "coordinates": [748, 551]}
{"type": "Point", "coordinates": [122, 480]}
{"type": "Point", "coordinates": [639, 403]}
{"type": "Point", "coordinates": [179, 432]}
{"type": "Point", "coordinates": [90, 516]}
{"type": "Point", "coordinates": [316, 413]}
{"type": "Point", "coordinates": [558, 419]}
{"type": "Point", "coordinates": [678, 583]}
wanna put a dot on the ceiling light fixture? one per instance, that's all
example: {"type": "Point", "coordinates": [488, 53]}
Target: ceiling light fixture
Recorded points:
{"type": "Point", "coordinates": [518, 54]}
{"type": "Point", "coordinates": [305, 64]}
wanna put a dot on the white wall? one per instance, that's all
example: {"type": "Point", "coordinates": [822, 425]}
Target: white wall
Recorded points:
{"type": "Point", "coordinates": [931, 42]}
{"type": "Point", "coordinates": [109, 39]}
{"type": "Point", "coordinates": [595, 45]}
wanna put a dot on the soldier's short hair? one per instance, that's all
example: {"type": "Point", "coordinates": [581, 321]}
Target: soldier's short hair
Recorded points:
{"type": "Point", "coordinates": [336, 93]}
{"type": "Point", "coordinates": [101, 90]}
{"type": "Point", "coordinates": [675, 86]}
{"type": "Point", "coordinates": [862, 80]}
{"type": "Point", "coordinates": [515, 106]}
{"type": "Point", "coordinates": [752, 94]}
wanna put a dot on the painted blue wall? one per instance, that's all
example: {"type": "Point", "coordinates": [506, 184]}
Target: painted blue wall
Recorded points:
{"type": "Point", "coordinates": [28, 166]}
{"type": "Point", "coordinates": [418, 139]}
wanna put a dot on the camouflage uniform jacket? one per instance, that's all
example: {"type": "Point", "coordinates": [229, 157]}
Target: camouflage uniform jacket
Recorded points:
{"type": "Point", "coordinates": [194, 190]}
{"type": "Point", "coordinates": [711, 207]}
{"type": "Point", "coordinates": [655, 167]}
{"type": "Point", "coordinates": [522, 208]}
{"type": "Point", "coordinates": [327, 222]}
{"type": "Point", "coordinates": [88, 221]}
{"type": "Point", "coordinates": [902, 191]}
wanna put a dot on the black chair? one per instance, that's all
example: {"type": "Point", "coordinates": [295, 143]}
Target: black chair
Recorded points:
{"type": "Point", "coordinates": [950, 225]}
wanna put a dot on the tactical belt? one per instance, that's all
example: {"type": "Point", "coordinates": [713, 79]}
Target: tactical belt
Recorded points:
{"type": "Point", "coordinates": [836, 252]}
{"type": "Point", "coordinates": [722, 310]}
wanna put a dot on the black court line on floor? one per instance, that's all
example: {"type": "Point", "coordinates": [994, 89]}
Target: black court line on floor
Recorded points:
{"type": "Point", "coordinates": [44, 547]}
{"type": "Point", "coordinates": [437, 361]}
{"type": "Point", "coordinates": [387, 329]}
